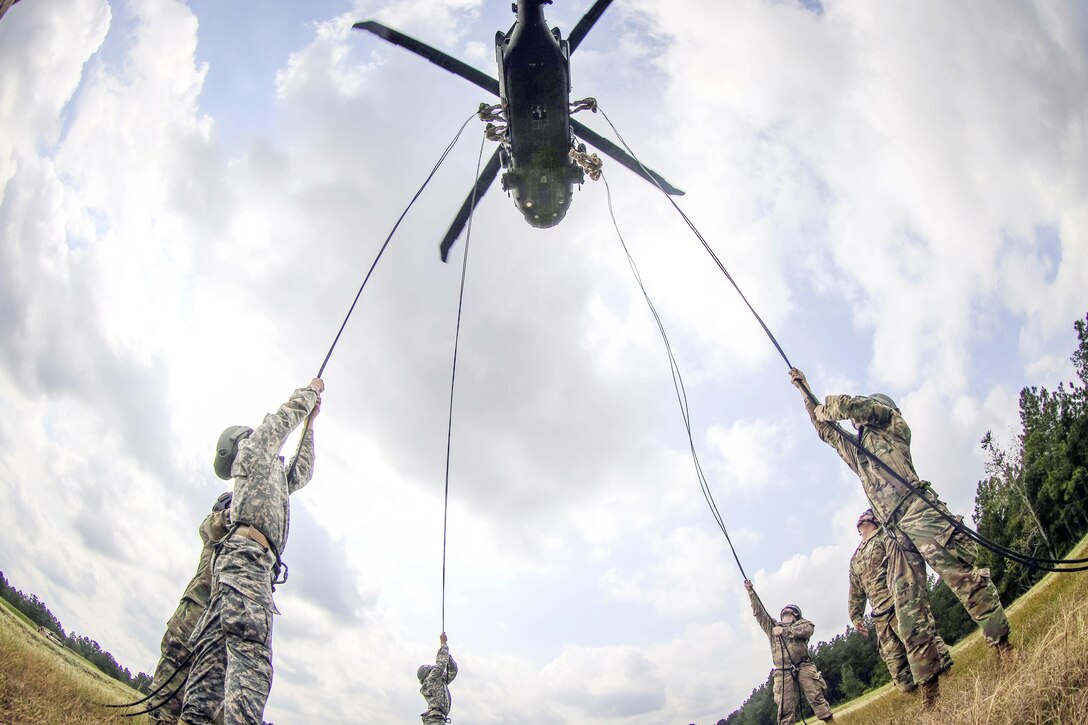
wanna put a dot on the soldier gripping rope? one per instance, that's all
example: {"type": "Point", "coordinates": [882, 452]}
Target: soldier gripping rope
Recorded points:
{"type": "Point", "coordinates": [232, 668]}
{"type": "Point", "coordinates": [793, 669]}
{"type": "Point", "coordinates": [869, 580]}
{"type": "Point", "coordinates": [434, 683]}
{"type": "Point", "coordinates": [174, 664]}
{"type": "Point", "coordinates": [918, 534]}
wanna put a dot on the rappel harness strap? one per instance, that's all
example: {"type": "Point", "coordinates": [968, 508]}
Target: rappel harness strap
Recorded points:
{"type": "Point", "coordinates": [1033, 562]}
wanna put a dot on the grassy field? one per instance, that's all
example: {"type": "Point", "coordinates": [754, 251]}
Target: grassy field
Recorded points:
{"type": "Point", "coordinates": [1044, 682]}
{"type": "Point", "coordinates": [42, 683]}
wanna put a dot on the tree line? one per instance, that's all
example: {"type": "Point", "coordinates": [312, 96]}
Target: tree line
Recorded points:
{"type": "Point", "coordinates": [38, 613]}
{"type": "Point", "coordinates": [1033, 499]}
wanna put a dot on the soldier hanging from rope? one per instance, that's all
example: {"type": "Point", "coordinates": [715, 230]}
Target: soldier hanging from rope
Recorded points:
{"type": "Point", "coordinates": [434, 683]}
{"type": "Point", "coordinates": [918, 533]}
{"type": "Point", "coordinates": [793, 669]}
{"type": "Point", "coordinates": [232, 666]}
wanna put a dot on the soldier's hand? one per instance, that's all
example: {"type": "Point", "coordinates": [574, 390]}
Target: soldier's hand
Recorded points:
{"type": "Point", "coordinates": [318, 384]}
{"type": "Point", "coordinates": [777, 631]}
{"type": "Point", "coordinates": [442, 638]}
{"type": "Point", "coordinates": [798, 379]}
{"type": "Point", "coordinates": [748, 584]}
{"type": "Point", "coordinates": [862, 629]}
{"type": "Point", "coordinates": [315, 410]}
{"type": "Point", "coordinates": [820, 413]}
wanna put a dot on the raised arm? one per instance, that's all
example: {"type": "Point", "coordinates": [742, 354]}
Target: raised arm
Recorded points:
{"type": "Point", "coordinates": [765, 622]}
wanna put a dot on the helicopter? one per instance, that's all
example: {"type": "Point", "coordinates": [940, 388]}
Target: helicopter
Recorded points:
{"type": "Point", "coordinates": [537, 137]}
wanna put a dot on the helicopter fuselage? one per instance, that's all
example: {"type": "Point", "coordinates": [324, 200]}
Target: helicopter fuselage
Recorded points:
{"type": "Point", "coordinates": [534, 87]}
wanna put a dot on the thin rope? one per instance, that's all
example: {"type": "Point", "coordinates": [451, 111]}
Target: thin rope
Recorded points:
{"type": "Point", "coordinates": [370, 271]}
{"type": "Point", "coordinates": [677, 382]}
{"type": "Point", "coordinates": [1032, 562]}
{"type": "Point", "coordinates": [453, 381]}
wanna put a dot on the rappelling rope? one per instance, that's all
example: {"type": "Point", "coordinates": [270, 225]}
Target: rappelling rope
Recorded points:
{"type": "Point", "coordinates": [381, 251]}
{"type": "Point", "coordinates": [1033, 562]}
{"type": "Point", "coordinates": [453, 381]}
{"type": "Point", "coordinates": [677, 382]}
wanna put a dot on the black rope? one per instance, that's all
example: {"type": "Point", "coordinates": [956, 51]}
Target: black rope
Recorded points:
{"type": "Point", "coordinates": [158, 689]}
{"type": "Point", "coordinates": [1033, 562]}
{"type": "Point", "coordinates": [677, 382]}
{"type": "Point", "coordinates": [453, 381]}
{"type": "Point", "coordinates": [370, 271]}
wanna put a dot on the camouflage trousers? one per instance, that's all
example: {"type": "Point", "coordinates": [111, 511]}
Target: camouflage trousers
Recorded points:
{"type": "Point", "coordinates": [894, 652]}
{"type": "Point", "coordinates": [175, 650]}
{"type": "Point", "coordinates": [434, 717]}
{"type": "Point", "coordinates": [232, 668]}
{"type": "Point", "coordinates": [785, 692]}
{"type": "Point", "coordinates": [921, 536]}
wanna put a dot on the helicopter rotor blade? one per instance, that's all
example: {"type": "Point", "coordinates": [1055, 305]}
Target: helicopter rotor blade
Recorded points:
{"type": "Point", "coordinates": [618, 154]}
{"type": "Point", "coordinates": [442, 60]}
{"type": "Point", "coordinates": [586, 23]}
{"type": "Point", "coordinates": [487, 178]}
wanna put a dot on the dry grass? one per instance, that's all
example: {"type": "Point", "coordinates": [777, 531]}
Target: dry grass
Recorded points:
{"type": "Point", "coordinates": [1044, 682]}
{"type": "Point", "coordinates": [43, 684]}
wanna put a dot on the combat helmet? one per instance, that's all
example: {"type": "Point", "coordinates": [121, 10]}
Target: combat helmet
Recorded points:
{"type": "Point", "coordinates": [792, 608]}
{"type": "Point", "coordinates": [423, 671]}
{"type": "Point", "coordinates": [227, 448]}
{"type": "Point", "coordinates": [886, 400]}
{"type": "Point", "coordinates": [867, 515]}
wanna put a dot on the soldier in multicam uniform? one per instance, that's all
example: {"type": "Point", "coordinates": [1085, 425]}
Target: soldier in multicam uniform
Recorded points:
{"type": "Point", "coordinates": [434, 683]}
{"type": "Point", "coordinates": [173, 667]}
{"type": "Point", "coordinates": [869, 580]}
{"type": "Point", "coordinates": [917, 531]}
{"type": "Point", "coordinates": [792, 666]}
{"type": "Point", "coordinates": [232, 668]}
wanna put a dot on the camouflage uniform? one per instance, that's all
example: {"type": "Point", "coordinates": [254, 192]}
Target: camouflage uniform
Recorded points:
{"type": "Point", "coordinates": [918, 534]}
{"type": "Point", "coordinates": [175, 643]}
{"type": "Point", "coordinates": [869, 580]}
{"type": "Point", "coordinates": [435, 688]}
{"type": "Point", "coordinates": [792, 666]}
{"type": "Point", "coordinates": [232, 668]}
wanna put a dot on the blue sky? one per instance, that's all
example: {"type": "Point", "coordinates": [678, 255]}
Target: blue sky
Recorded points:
{"type": "Point", "coordinates": [191, 192]}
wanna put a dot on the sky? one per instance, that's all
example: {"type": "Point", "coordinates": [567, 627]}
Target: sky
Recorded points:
{"type": "Point", "coordinates": [190, 194]}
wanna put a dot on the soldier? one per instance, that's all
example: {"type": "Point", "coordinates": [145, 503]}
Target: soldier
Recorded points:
{"type": "Point", "coordinates": [792, 667]}
{"type": "Point", "coordinates": [173, 667]}
{"type": "Point", "coordinates": [434, 683]}
{"type": "Point", "coordinates": [917, 531]}
{"type": "Point", "coordinates": [232, 667]}
{"type": "Point", "coordinates": [869, 580]}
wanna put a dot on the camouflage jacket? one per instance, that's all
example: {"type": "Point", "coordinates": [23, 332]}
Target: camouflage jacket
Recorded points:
{"type": "Point", "coordinates": [789, 648]}
{"type": "Point", "coordinates": [212, 529]}
{"type": "Point", "coordinates": [261, 498]}
{"type": "Point", "coordinates": [884, 433]}
{"type": "Point", "coordinates": [435, 688]}
{"type": "Point", "coordinates": [868, 578]}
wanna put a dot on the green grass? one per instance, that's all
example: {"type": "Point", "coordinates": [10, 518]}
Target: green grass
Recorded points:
{"type": "Point", "coordinates": [1045, 681]}
{"type": "Point", "coordinates": [47, 684]}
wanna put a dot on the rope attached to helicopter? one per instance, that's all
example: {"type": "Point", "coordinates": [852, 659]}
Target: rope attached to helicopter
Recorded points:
{"type": "Point", "coordinates": [453, 381]}
{"type": "Point", "coordinates": [1031, 562]}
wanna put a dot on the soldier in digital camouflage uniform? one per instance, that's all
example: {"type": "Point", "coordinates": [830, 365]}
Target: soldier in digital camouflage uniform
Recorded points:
{"type": "Point", "coordinates": [434, 683]}
{"type": "Point", "coordinates": [792, 667]}
{"type": "Point", "coordinates": [173, 667]}
{"type": "Point", "coordinates": [916, 530]}
{"type": "Point", "coordinates": [232, 668]}
{"type": "Point", "coordinates": [869, 580]}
